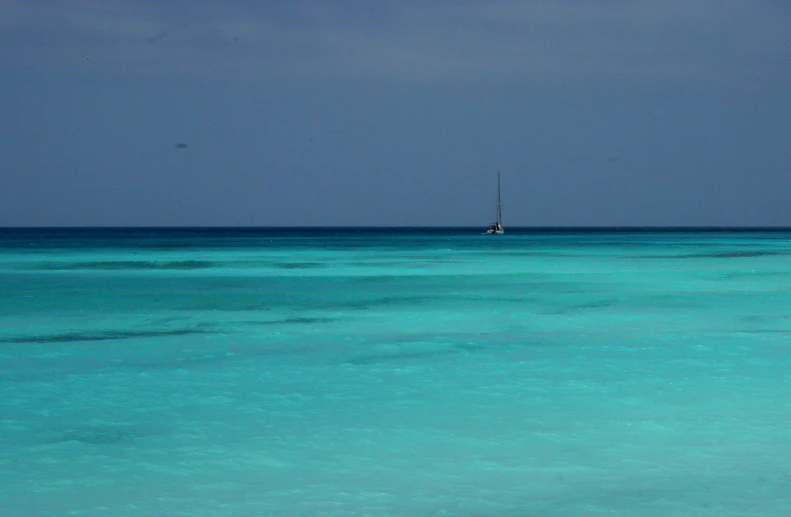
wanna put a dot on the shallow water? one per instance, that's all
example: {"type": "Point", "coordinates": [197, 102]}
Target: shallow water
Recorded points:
{"type": "Point", "coordinates": [405, 373]}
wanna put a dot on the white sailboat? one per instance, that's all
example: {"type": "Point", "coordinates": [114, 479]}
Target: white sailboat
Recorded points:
{"type": "Point", "coordinates": [496, 228]}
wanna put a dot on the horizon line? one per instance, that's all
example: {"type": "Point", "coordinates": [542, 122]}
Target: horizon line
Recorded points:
{"type": "Point", "coordinates": [386, 227]}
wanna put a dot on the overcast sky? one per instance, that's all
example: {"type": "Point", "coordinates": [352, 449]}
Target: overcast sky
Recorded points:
{"type": "Point", "coordinates": [671, 112]}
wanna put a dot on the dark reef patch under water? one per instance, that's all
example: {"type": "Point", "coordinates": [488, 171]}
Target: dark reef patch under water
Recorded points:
{"type": "Point", "coordinates": [294, 321]}
{"type": "Point", "coordinates": [75, 337]}
{"type": "Point", "coordinates": [719, 254]}
{"type": "Point", "coordinates": [121, 265]}
{"type": "Point", "coordinates": [97, 434]}
{"type": "Point", "coordinates": [298, 265]}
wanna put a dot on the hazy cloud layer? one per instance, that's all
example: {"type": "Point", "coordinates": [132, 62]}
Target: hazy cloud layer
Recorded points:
{"type": "Point", "coordinates": [409, 40]}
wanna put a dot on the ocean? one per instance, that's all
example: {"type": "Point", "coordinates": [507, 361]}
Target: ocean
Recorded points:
{"type": "Point", "coordinates": [394, 372]}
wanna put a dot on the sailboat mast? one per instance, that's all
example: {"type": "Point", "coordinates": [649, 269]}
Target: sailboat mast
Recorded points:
{"type": "Point", "coordinates": [499, 211]}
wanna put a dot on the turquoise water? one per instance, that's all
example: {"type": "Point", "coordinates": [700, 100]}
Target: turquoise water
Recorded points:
{"type": "Point", "coordinates": [394, 373]}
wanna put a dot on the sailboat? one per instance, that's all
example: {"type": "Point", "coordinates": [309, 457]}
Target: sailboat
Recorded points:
{"type": "Point", "coordinates": [496, 228]}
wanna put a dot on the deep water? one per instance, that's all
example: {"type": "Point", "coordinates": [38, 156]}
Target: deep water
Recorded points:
{"type": "Point", "coordinates": [339, 372]}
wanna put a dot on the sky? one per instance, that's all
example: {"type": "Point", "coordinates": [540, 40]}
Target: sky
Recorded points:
{"type": "Point", "coordinates": [395, 113]}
